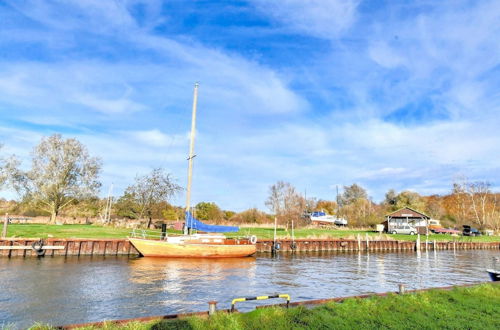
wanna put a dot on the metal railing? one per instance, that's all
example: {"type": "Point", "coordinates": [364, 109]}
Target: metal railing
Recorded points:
{"type": "Point", "coordinates": [143, 233]}
{"type": "Point", "coordinates": [284, 296]}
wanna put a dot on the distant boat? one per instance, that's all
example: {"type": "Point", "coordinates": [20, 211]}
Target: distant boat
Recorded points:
{"type": "Point", "coordinates": [494, 275]}
{"type": "Point", "coordinates": [196, 245]}
{"type": "Point", "coordinates": [321, 218]}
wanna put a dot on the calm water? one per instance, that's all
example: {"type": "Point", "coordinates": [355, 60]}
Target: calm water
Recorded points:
{"type": "Point", "coordinates": [62, 290]}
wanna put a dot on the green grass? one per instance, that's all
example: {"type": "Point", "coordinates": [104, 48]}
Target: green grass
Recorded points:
{"type": "Point", "coordinates": [93, 231]}
{"type": "Point", "coordinates": [475, 307]}
{"type": "Point", "coordinates": [65, 231]}
{"type": "Point", "coordinates": [267, 233]}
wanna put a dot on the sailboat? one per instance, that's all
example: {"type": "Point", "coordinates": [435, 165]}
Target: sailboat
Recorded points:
{"type": "Point", "coordinates": [208, 241]}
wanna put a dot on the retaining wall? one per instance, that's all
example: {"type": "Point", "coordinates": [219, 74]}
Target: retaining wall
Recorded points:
{"type": "Point", "coordinates": [115, 247]}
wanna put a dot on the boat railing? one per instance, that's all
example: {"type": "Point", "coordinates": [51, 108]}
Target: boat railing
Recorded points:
{"type": "Point", "coordinates": [149, 234]}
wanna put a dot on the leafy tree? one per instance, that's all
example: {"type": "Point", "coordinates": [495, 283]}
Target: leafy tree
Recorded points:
{"type": "Point", "coordinates": [171, 212]}
{"type": "Point", "coordinates": [352, 193]}
{"type": "Point", "coordinates": [328, 206]}
{"type": "Point", "coordinates": [391, 199]}
{"type": "Point", "coordinates": [62, 172]}
{"type": "Point", "coordinates": [410, 199]}
{"type": "Point", "coordinates": [127, 206]}
{"type": "Point", "coordinates": [228, 214]}
{"type": "Point", "coordinates": [208, 211]}
{"type": "Point", "coordinates": [142, 198]}
{"type": "Point", "coordinates": [252, 215]}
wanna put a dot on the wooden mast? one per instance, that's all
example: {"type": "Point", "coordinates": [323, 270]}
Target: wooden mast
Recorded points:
{"type": "Point", "coordinates": [191, 153]}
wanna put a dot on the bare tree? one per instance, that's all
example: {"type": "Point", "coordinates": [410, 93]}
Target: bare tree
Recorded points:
{"type": "Point", "coordinates": [482, 204]}
{"type": "Point", "coordinates": [3, 170]}
{"type": "Point", "coordinates": [285, 202]}
{"type": "Point", "coordinates": [62, 171]}
{"type": "Point", "coordinates": [7, 168]}
{"type": "Point", "coordinates": [150, 190]}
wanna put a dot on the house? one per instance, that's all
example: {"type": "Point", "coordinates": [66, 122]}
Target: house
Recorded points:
{"type": "Point", "coordinates": [407, 217]}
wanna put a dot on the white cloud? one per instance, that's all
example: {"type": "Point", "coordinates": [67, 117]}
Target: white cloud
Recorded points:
{"type": "Point", "coordinates": [108, 106]}
{"type": "Point", "coordinates": [320, 18]}
{"type": "Point", "coordinates": [157, 138]}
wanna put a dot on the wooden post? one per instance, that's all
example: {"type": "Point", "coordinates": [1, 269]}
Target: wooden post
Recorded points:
{"type": "Point", "coordinates": [5, 223]}
{"type": "Point", "coordinates": [402, 289]}
{"type": "Point", "coordinates": [417, 243]}
{"type": "Point", "coordinates": [359, 242]}
{"type": "Point", "coordinates": [367, 243]}
{"type": "Point", "coordinates": [212, 307]}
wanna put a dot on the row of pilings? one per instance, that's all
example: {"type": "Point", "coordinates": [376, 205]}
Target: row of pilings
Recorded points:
{"type": "Point", "coordinates": [11, 247]}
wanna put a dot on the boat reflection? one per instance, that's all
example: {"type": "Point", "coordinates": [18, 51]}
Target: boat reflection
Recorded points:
{"type": "Point", "coordinates": [150, 269]}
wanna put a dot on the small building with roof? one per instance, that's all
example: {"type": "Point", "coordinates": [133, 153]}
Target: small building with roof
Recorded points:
{"type": "Point", "coordinates": [407, 217]}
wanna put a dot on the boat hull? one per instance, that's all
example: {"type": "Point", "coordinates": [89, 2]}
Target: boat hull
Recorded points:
{"type": "Point", "coordinates": [155, 248]}
{"type": "Point", "coordinates": [494, 275]}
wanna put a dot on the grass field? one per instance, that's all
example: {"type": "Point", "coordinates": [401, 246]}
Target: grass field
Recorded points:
{"type": "Point", "coordinates": [93, 231]}
{"type": "Point", "coordinates": [461, 308]}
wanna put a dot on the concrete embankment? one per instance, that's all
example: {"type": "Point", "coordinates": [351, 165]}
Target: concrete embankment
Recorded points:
{"type": "Point", "coordinates": [11, 247]}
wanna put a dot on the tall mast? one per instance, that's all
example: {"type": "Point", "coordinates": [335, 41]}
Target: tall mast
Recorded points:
{"type": "Point", "coordinates": [191, 148]}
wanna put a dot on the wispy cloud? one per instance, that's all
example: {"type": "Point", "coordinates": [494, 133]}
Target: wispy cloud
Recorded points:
{"type": "Point", "coordinates": [321, 18]}
{"type": "Point", "coordinates": [395, 95]}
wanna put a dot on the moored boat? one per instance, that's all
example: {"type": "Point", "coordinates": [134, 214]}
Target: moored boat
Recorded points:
{"type": "Point", "coordinates": [190, 244]}
{"type": "Point", "coordinates": [196, 245]}
{"type": "Point", "coordinates": [494, 275]}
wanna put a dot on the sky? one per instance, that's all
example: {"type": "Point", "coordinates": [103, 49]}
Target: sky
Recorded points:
{"type": "Point", "coordinates": [318, 93]}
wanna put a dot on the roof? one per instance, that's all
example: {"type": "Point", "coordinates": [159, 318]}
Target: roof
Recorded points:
{"type": "Point", "coordinates": [407, 212]}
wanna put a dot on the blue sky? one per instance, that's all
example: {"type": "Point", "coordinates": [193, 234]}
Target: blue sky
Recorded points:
{"type": "Point", "coordinates": [386, 94]}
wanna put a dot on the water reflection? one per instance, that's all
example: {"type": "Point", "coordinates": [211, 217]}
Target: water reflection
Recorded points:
{"type": "Point", "coordinates": [73, 290]}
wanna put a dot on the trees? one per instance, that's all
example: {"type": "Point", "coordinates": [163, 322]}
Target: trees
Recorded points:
{"type": "Point", "coordinates": [142, 198]}
{"type": "Point", "coordinates": [285, 202]}
{"type": "Point", "coordinates": [410, 199]}
{"type": "Point", "coordinates": [391, 199]}
{"type": "Point", "coordinates": [62, 171]}
{"type": "Point", "coordinates": [252, 215]}
{"type": "Point", "coordinates": [356, 206]}
{"type": "Point", "coordinates": [329, 207]}
{"type": "Point", "coordinates": [352, 193]}
{"type": "Point", "coordinates": [208, 211]}
{"type": "Point", "coordinates": [7, 168]}
{"type": "Point", "coordinates": [480, 202]}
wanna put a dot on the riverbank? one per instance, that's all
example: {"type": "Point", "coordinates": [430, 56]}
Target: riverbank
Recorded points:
{"type": "Point", "coordinates": [476, 307]}
{"type": "Point", "coordinates": [94, 231]}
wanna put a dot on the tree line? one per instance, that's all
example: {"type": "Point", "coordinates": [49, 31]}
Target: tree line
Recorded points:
{"type": "Point", "coordinates": [63, 179]}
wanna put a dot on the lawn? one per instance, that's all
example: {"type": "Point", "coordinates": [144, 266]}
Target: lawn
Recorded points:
{"type": "Point", "coordinates": [93, 231]}
{"type": "Point", "coordinates": [475, 307]}
{"type": "Point", "coordinates": [268, 233]}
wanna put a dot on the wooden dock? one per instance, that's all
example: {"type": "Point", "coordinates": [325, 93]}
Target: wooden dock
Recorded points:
{"type": "Point", "coordinates": [11, 247]}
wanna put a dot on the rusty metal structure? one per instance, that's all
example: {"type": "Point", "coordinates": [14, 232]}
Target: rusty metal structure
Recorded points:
{"type": "Point", "coordinates": [11, 247]}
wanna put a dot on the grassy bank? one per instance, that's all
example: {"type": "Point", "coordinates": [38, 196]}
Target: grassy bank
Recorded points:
{"type": "Point", "coordinates": [461, 308]}
{"type": "Point", "coordinates": [267, 233]}
{"type": "Point", "coordinates": [92, 231]}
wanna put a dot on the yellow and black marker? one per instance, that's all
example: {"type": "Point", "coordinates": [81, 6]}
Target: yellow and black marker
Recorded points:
{"type": "Point", "coordinates": [284, 296]}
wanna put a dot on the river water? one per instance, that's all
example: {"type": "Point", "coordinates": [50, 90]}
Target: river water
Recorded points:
{"type": "Point", "coordinates": [59, 290]}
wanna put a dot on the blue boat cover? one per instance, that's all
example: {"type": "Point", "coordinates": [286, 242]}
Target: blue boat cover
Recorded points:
{"type": "Point", "coordinates": [318, 214]}
{"type": "Point", "coordinates": [193, 223]}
